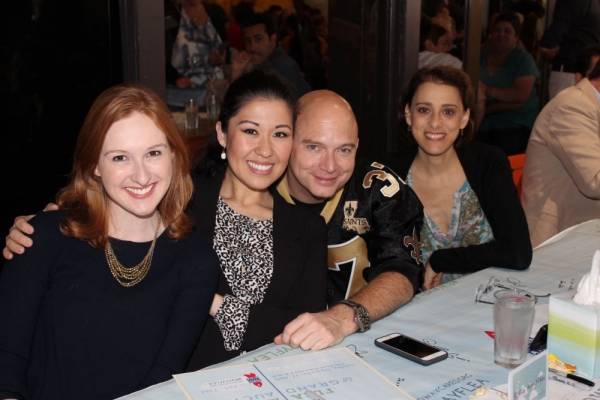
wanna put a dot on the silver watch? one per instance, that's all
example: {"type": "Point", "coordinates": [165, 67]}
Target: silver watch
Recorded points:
{"type": "Point", "coordinates": [361, 315]}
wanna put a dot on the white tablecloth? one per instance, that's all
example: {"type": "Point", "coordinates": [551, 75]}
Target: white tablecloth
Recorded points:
{"type": "Point", "coordinates": [448, 317]}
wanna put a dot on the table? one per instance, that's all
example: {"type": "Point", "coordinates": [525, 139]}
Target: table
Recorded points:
{"type": "Point", "coordinates": [448, 317]}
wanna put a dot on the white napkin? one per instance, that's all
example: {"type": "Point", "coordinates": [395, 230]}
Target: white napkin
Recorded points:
{"type": "Point", "coordinates": [588, 291]}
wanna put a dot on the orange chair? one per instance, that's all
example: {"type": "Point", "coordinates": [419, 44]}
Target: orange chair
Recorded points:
{"type": "Point", "coordinates": [516, 164]}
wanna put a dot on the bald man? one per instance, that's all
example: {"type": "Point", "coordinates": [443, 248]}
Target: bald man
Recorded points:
{"type": "Point", "coordinates": [372, 219]}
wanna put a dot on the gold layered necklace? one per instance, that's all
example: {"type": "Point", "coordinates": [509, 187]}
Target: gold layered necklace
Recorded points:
{"type": "Point", "coordinates": [129, 277]}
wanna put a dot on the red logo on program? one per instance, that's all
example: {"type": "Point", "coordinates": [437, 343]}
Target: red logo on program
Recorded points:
{"type": "Point", "coordinates": [253, 379]}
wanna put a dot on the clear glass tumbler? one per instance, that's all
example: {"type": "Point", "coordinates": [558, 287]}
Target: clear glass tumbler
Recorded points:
{"type": "Point", "coordinates": [513, 315]}
{"type": "Point", "coordinates": [191, 117]}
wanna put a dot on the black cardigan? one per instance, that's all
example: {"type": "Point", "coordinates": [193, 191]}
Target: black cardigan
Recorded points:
{"type": "Point", "coordinates": [298, 284]}
{"type": "Point", "coordinates": [488, 171]}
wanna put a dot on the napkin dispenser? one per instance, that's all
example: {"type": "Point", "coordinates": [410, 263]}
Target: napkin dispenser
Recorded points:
{"type": "Point", "coordinates": [574, 324]}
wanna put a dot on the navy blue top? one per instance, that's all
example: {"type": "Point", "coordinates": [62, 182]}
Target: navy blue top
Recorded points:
{"type": "Point", "coordinates": [71, 331]}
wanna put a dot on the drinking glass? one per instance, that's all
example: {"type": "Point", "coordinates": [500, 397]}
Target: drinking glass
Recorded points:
{"type": "Point", "coordinates": [191, 117]}
{"type": "Point", "coordinates": [513, 315]}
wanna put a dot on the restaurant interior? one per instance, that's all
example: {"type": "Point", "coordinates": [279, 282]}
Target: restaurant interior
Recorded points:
{"type": "Point", "coordinates": [57, 56]}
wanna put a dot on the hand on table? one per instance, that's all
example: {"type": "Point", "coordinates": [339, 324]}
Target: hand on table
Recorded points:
{"type": "Point", "coordinates": [183, 82]}
{"type": "Point", "coordinates": [17, 238]}
{"type": "Point", "coordinates": [316, 331]}
{"type": "Point", "coordinates": [432, 278]}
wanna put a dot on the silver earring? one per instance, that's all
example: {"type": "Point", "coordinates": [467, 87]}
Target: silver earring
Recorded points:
{"type": "Point", "coordinates": [408, 128]}
{"type": "Point", "coordinates": [223, 154]}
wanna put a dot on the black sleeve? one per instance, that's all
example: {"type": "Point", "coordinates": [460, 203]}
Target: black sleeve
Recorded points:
{"type": "Point", "coordinates": [199, 276]}
{"type": "Point", "coordinates": [497, 194]}
{"type": "Point", "coordinates": [23, 284]}
{"type": "Point", "coordinates": [566, 13]}
{"type": "Point", "coordinates": [396, 218]}
{"type": "Point", "coordinates": [308, 295]}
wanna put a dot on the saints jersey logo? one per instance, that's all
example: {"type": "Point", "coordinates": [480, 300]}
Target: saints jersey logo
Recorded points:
{"type": "Point", "coordinates": [358, 225]}
{"type": "Point", "coordinates": [416, 245]}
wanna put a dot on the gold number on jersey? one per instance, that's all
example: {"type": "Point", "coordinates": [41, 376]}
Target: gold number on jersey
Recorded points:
{"type": "Point", "coordinates": [354, 251]}
{"type": "Point", "coordinates": [389, 190]}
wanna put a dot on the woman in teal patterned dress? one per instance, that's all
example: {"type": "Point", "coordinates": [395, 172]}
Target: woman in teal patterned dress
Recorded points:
{"type": "Point", "coordinates": [473, 217]}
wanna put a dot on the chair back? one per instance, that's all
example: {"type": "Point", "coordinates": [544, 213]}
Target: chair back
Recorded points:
{"type": "Point", "coordinates": [516, 164]}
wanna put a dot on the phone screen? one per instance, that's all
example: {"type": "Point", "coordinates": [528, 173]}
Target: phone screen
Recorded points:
{"type": "Point", "coordinates": [411, 346]}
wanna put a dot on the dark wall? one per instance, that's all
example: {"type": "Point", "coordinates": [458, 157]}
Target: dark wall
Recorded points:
{"type": "Point", "coordinates": [369, 41]}
{"type": "Point", "coordinates": [54, 61]}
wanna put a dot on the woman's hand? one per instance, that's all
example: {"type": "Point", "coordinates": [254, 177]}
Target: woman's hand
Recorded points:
{"type": "Point", "coordinates": [183, 82]}
{"type": "Point", "coordinates": [216, 304]}
{"type": "Point", "coordinates": [432, 278]}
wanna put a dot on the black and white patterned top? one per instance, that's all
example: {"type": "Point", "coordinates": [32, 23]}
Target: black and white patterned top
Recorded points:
{"type": "Point", "coordinates": [245, 248]}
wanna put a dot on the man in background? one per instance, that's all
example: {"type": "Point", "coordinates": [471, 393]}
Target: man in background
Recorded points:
{"type": "Point", "coordinates": [263, 51]}
{"type": "Point", "coordinates": [561, 176]}
{"type": "Point", "coordinates": [575, 25]}
{"type": "Point", "coordinates": [585, 62]}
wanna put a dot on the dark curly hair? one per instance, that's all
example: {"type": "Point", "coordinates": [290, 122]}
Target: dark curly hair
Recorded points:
{"type": "Point", "coordinates": [441, 75]}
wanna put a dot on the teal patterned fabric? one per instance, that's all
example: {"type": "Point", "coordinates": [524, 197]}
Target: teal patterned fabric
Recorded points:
{"type": "Point", "coordinates": [468, 225]}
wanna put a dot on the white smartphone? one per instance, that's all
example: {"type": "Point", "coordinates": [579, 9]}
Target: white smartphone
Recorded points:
{"type": "Point", "coordinates": [412, 349]}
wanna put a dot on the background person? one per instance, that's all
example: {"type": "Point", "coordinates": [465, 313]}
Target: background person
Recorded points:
{"type": "Point", "coordinates": [507, 75]}
{"type": "Point", "coordinates": [437, 45]}
{"type": "Point", "coordinates": [197, 56]}
{"type": "Point", "coordinates": [575, 25]}
{"type": "Point", "coordinates": [473, 217]}
{"type": "Point", "coordinates": [585, 62]}
{"type": "Point", "coordinates": [561, 176]}
{"type": "Point", "coordinates": [115, 294]}
{"type": "Point", "coordinates": [263, 52]}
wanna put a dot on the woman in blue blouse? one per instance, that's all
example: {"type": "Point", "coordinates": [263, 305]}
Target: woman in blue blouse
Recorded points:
{"type": "Point", "coordinates": [507, 75]}
{"type": "Point", "coordinates": [473, 218]}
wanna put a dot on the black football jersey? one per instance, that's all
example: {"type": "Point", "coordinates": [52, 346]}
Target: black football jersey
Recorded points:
{"type": "Point", "coordinates": [373, 226]}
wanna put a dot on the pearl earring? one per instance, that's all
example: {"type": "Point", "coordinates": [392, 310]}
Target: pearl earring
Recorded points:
{"type": "Point", "coordinates": [223, 154]}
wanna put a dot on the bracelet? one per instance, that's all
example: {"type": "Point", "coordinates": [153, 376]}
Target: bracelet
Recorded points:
{"type": "Point", "coordinates": [488, 91]}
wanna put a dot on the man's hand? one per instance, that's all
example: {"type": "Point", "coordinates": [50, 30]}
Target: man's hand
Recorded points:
{"type": "Point", "coordinates": [17, 238]}
{"type": "Point", "coordinates": [239, 63]}
{"type": "Point", "coordinates": [432, 278]}
{"type": "Point", "coordinates": [320, 330]}
{"type": "Point", "coordinates": [382, 296]}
